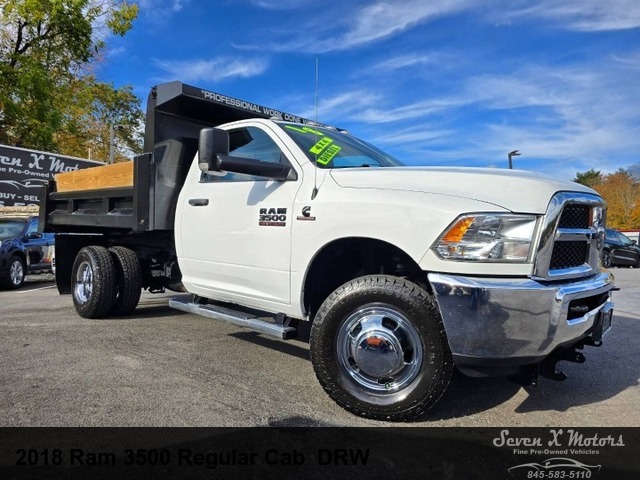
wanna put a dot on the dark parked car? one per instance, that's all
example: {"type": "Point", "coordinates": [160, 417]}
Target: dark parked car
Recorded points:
{"type": "Point", "coordinates": [23, 250]}
{"type": "Point", "coordinates": [620, 250]}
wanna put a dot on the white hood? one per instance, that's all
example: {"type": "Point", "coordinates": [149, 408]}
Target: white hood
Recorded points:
{"type": "Point", "coordinates": [516, 190]}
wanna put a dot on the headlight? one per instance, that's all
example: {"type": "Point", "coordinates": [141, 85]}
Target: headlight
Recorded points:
{"type": "Point", "coordinates": [488, 238]}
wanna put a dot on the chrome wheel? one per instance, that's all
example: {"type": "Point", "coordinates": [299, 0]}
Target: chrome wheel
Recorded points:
{"type": "Point", "coordinates": [83, 287]}
{"type": "Point", "coordinates": [94, 283]}
{"type": "Point", "coordinates": [16, 272]}
{"type": "Point", "coordinates": [379, 349]}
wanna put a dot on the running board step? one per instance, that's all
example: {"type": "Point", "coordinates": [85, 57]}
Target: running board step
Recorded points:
{"type": "Point", "coordinates": [235, 317]}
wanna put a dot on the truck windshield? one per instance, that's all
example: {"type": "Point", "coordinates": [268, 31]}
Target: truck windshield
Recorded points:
{"type": "Point", "coordinates": [334, 149]}
{"type": "Point", "coordinates": [10, 228]}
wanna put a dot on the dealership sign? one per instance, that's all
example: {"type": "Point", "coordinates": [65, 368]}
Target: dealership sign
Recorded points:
{"type": "Point", "coordinates": [23, 172]}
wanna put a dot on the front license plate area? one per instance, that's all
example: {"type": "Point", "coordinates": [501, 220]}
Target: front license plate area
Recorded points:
{"type": "Point", "coordinates": [603, 322]}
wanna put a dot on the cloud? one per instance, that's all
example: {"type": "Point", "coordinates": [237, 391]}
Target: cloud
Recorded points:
{"type": "Point", "coordinates": [414, 110]}
{"type": "Point", "coordinates": [215, 69]}
{"type": "Point", "coordinates": [562, 118]}
{"type": "Point", "coordinates": [160, 11]}
{"type": "Point", "coordinates": [343, 28]}
{"type": "Point", "coordinates": [384, 19]}
{"type": "Point", "coordinates": [282, 4]}
{"type": "Point", "coordinates": [178, 5]}
{"type": "Point", "coordinates": [407, 61]}
{"type": "Point", "coordinates": [432, 134]}
{"type": "Point", "coordinates": [629, 61]}
{"type": "Point", "coordinates": [341, 106]}
{"type": "Point", "coordinates": [116, 51]}
{"type": "Point", "coordinates": [579, 15]}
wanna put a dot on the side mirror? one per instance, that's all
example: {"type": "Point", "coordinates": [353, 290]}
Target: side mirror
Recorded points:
{"type": "Point", "coordinates": [213, 142]}
{"type": "Point", "coordinates": [34, 235]}
{"type": "Point", "coordinates": [213, 156]}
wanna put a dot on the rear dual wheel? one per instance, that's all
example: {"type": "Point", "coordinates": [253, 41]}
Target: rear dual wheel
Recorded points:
{"type": "Point", "coordinates": [105, 281]}
{"type": "Point", "coordinates": [129, 280]}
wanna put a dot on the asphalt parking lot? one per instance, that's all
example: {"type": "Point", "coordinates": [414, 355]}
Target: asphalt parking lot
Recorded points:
{"type": "Point", "coordinates": [162, 367]}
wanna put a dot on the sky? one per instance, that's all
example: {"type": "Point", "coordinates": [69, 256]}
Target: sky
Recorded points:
{"type": "Point", "coordinates": [433, 82]}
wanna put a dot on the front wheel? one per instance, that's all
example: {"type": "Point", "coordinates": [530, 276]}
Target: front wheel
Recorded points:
{"type": "Point", "coordinates": [93, 282]}
{"type": "Point", "coordinates": [606, 259]}
{"type": "Point", "coordinates": [17, 272]}
{"type": "Point", "coordinates": [379, 348]}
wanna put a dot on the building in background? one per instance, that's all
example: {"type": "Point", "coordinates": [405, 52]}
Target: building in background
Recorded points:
{"type": "Point", "coordinates": [23, 172]}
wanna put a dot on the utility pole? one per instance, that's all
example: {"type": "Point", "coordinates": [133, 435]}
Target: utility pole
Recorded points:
{"type": "Point", "coordinates": [515, 153]}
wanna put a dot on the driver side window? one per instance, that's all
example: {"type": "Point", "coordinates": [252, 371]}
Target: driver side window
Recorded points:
{"type": "Point", "coordinates": [248, 142]}
{"type": "Point", "coordinates": [33, 227]}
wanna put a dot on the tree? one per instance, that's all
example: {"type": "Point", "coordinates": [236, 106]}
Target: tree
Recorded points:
{"type": "Point", "coordinates": [622, 194]}
{"type": "Point", "coordinates": [47, 92]}
{"type": "Point", "coordinates": [590, 178]}
{"type": "Point", "coordinates": [96, 108]}
{"type": "Point", "coordinates": [634, 171]}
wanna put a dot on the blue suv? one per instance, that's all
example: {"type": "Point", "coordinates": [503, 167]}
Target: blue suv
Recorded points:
{"type": "Point", "coordinates": [23, 250]}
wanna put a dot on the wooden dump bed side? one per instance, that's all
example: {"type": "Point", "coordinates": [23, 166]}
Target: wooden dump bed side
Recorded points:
{"type": "Point", "coordinates": [117, 175]}
{"type": "Point", "coordinates": [99, 199]}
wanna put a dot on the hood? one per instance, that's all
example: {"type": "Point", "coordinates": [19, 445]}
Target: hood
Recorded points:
{"type": "Point", "coordinates": [516, 190]}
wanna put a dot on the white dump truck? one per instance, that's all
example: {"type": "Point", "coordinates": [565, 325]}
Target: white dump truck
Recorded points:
{"type": "Point", "coordinates": [270, 220]}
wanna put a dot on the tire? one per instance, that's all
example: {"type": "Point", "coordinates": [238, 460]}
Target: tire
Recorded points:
{"type": "Point", "coordinates": [17, 273]}
{"type": "Point", "coordinates": [93, 282]}
{"type": "Point", "coordinates": [129, 280]}
{"type": "Point", "coordinates": [379, 349]}
{"type": "Point", "coordinates": [606, 259]}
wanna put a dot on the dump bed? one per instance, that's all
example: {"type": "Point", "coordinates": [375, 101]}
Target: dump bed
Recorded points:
{"type": "Point", "coordinates": [141, 195]}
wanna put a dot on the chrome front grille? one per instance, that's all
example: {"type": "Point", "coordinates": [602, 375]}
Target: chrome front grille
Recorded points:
{"type": "Point", "coordinates": [571, 238]}
{"type": "Point", "coordinates": [569, 254]}
{"type": "Point", "coordinates": [575, 216]}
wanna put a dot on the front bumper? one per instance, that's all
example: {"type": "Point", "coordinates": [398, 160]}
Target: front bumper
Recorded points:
{"type": "Point", "coordinates": [496, 325]}
{"type": "Point", "coordinates": [4, 265]}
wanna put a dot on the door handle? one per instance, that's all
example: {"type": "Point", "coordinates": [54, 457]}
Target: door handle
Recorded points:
{"type": "Point", "coordinates": [199, 202]}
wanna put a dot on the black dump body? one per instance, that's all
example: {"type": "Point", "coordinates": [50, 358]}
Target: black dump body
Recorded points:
{"type": "Point", "coordinates": [175, 115]}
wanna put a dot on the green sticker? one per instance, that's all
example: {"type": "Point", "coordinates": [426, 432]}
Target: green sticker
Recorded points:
{"type": "Point", "coordinates": [305, 130]}
{"type": "Point", "coordinates": [321, 145]}
{"type": "Point", "coordinates": [328, 154]}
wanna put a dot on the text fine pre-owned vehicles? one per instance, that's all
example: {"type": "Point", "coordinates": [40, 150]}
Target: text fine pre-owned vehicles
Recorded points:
{"type": "Point", "coordinates": [23, 250]}
{"type": "Point", "coordinates": [405, 272]}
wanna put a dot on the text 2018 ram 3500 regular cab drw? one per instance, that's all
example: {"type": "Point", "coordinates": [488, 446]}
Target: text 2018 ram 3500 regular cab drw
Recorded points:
{"type": "Point", "coordinates": [405, 272]}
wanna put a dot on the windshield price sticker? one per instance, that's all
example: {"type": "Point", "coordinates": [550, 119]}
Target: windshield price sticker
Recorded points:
{"type": "Point", "coordinates": [321, 145]}
{"type": "Point", "coordinates": [305, 130]}
{"type": "Point", "coordinates": [328, 154]}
